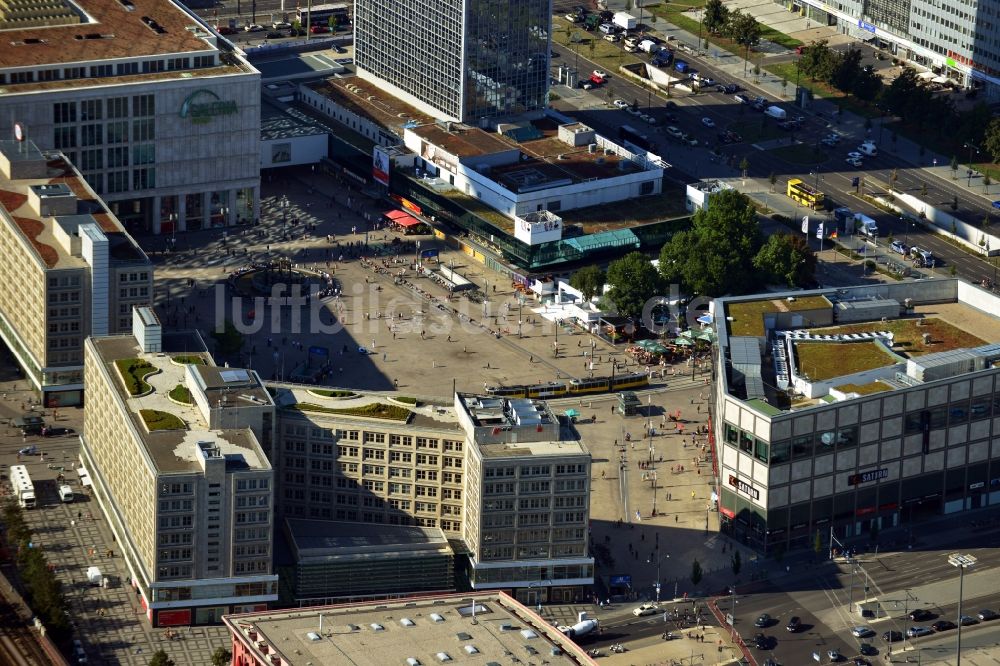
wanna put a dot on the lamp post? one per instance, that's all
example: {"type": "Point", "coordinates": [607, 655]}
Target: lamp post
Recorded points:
{"type": "Point", "coordinates": [659, 560]}
{"type": "Point", "coordinates": [971, 148]}
{"type": "Point", "coordinates": [173, 231]}
{"type": "Point", "coordinates": [962, 562]}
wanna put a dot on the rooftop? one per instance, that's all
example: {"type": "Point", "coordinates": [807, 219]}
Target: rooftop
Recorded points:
{"type": "Point", "coordinates": [51, 235]}
{"type": "Point", "coordinates": [747, 317]}
{"type": "Point", "coordinates": [176, 450]}
{"type": "Point", "coordinates": [335, 540]}
{"type": "Point", "coordinates": [416, 631]}
{"type": "Point", "coordinates": [109, 29]}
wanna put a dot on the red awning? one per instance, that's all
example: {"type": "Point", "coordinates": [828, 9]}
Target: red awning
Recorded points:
{"type": "Point", "coordinates": [406, 221]}
{"type": "Point", "coordinates": [396, 214]}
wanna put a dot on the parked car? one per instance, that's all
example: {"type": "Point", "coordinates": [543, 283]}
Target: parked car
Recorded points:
{"type": "Point", "coordinates": [921, 615]}
{"type": "Point", "coordinates": [319, 29]}
{"type": "Point", "coordinates": [600, 73]}
{"type": "Point", "coordinates": [987, 614]}
{"type": "Point", "coordinates": [763, 620]}
{"type": "Point", "coordinates": [253, 27]}
{"type": "Point", "coordinates": [57, 432]}
{"type": "Point", "coordinates": [834, 656]}
{"type": "Point", "coordinates": [620, 104]}
{"type": "Point", "coordinates": [917, 632]}
{"type": "Point", "coordinates": [274, 34]}
{"type": "Point", "coordinates": [794, 624]}
{"type": "Point", "coordinates": [867, 649]}
{"type": "Point", "coordinates": [861, 661]}
{"type": "Point", "coordinates": [967, 620]}
{"type": "Point", "coordinates": [854, 162]}
{"type": "Point", "coordinates": [862, 632]}
{"type": "Point", "coordinates": [645, 609]}
{"type": "Point", "coordinates": [899, 247]}
{"type": "Point", "coordinates": [674, 132]}
{"type": "Point", "coordinates": [708, 122]}
{"type": "Point", "coordinates": [762, 642]}
{"type": "Point", "coordinates": [943, 625]}
{"type": "Point", "coordinates": [586, 84]}
{"type": "Point", "coordinates": [892, 636]}
{"type": "Point", "coordinates": [611, 37]}
{"type": "Point", "coordinates": [742, 99]}
{"type": "Point", "coordinates": [28, 450]}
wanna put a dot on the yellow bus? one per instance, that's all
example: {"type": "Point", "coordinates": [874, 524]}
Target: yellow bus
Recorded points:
{"type": "Point", "coordinates": [804, 194]}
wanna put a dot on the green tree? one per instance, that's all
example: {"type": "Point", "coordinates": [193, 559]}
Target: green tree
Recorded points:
{"type": "Point", "coordinates": [846, 71]}
{"type": "Point", "coordinates": [696, 572]}
{"type": "Point", "coordinates": [633, 281]}
{"type": "Point", "coordinates": [743, 29]}
{"type": "Point", "coordinates": [589, 280]}
{"type": "Point", "coordinates": [228, 340]}
{"type": "Point", "coordinates": [736, 562]}
{"type": "Point", "coordinates": [715, 17]}
{"type": "Point", "coordinates": [787, 259]}
{"type": "Point", "coordinates": [160, 658]}
{"type": "Point", "coordinates": [816, 60]}
{"type": "Point", "coordinates": [715, 256]}
{"type": "Point", "coordinates": [221, 657]}
{"type": "Point", "coordinates": [866, 86]}
{"type": "Point", "coordinates": [991, 139]}
{"type": "Point", "coordinates": [904, 95]}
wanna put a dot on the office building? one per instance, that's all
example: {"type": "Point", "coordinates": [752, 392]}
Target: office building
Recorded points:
{"type": "Point", "coordinates": [70, 270]}
{"type": "Point", "coordinates": [481, 627]}
{"type": "Point", "coordinates": [855, 410]}
{"type": "Point", "coordinates": [494, 477]}
{"type": "Point", "coordinates": [466, 60]}
{"type": "Point", "coordinates": [159, 113]}
{"type": "Point", "coordinates": [175, 448]}
{"type": "Point", "coordinates": [958, 41]}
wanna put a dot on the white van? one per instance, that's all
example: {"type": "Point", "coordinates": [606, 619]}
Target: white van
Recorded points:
{"type": "Point", "coordinates": [868, 148]}
{"type": "Point", "coordinates": [65, 494]}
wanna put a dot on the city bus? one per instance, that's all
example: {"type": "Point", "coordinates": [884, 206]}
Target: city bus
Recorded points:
{"type": "Point", "coordinates": [804, 194]}
{"type": "Point", "coordinates": [24, 489]}
{"type": "Point", "coordinates": [320, 15]}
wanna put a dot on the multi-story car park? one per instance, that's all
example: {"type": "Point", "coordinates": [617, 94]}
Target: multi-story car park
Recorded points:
{"type": "Point", "coordinates": [495, 476]}
{"type": "Point", "coordinates": [855, 410]}
{"type": "Point", "coordinates": [69, 270]}
{"type": "Point", "coordinates": [957, 39]}
{"type": "Point", "coordinates": [175, 450]}
{"type": "Point", "coordinates": [160, 114]}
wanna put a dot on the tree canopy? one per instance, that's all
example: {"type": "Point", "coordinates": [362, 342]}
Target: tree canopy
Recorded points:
{"type": "Point", "coordinates": [160, 658]}
{"type": "Point", "coordinates": [787, 259]}
{"type": "Point", "coordinates": [589, 280]}
{"type": "Point", "coordinates": [633, 281]}
{"type": "Point", "coordinates": [715, 17]}
{"type": "Point", "coordinates": [715, 257]}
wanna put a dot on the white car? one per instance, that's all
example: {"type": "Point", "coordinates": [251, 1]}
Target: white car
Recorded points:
{"type": "Point", "coordinates": [573, 18]}
{"type": "Point", "coordinates": [620, 104]}
{"type": "Point", "coordinates": [645, 609]}
{"type": "Point", "coordinates": [854, 162]}
{"type": "Point", "coordinates": [855, 156]}
{"type": "Point", "coordinates": [253, 28]}
{"type": "Point", "coordinates": [611, 38]}
{"type": "Point", "coordinates": [674, 132]}
{"type": "Point", "coordinates": [708, 122]}
{"type": "Point", "coordinates": [862, 632]}
{"type": "Point", "coordinates": [600, 73]}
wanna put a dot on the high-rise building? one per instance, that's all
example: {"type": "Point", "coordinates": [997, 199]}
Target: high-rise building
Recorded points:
{"type": "Point", "coordinates": [159, 113]}
{"type": "Point", "coordinates": [496, 476]}
{"type": "Point", "coordinates": [463, 60]}
{"type": "Point", "coordinates": [959, 40]}
{"type": "Point", "coordinates": [69, 269]}
{"type": "Point", "coordinates": [175, 448]}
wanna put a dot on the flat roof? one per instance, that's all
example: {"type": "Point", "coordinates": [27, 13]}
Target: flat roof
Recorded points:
{"type": "Point", "coordinates": [367, 100]}
{"type": "Point", "coordinates": [416, 630]}
{"type": "Point", "coordinates": [747, 317]}
{"type": "Point", "coordinates": [328, 539]}
{"type": "Point", "coordinates": [278, 123]}
{"type": "Point", "coordinates": [39, 231]}
{"type": "Point", "coordinates": [425, 415]}
{"type": "Point", "coordinates": [175, 451]}
{"type": "Point", "coordinates": [111, 29]}
{"type": "Point", "coordinates": [557, 447]}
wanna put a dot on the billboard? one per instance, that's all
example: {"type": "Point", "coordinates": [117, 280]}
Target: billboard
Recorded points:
{"type": "Point", "coordinates": [380, 165]}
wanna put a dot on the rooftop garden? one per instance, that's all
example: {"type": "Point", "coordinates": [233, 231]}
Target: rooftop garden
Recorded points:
{"type": "Point", "coordinates": [406, 400]}
{"type": "Point", "coordinates": [909, 334]}
{"type": "Point", "coordinates": [375, 410]}
{"type": "Point", "coordinates": [748, 316]}
{"type": "Point", "coordinates": [864, 389]}
{"type": "Point", "coordinates": [157, 420]}
{"type": "Point", "coordinates": [188, 360]}
{"type": "Point", "coordinates": [133, 372]}
{"type": "Point", "coordinates": [820, 361]}
{"type": "Point", "coordinates": [180, 393]}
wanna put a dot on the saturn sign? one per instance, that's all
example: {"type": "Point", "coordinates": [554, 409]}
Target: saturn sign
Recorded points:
{"type": "Point", "coordinates": [203, 105]}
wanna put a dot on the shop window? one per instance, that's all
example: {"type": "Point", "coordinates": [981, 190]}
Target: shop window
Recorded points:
{"type": "Point", "coordinates": [732, 434]}
{"type": "Point", "coordinates": [761, 450]}
{"type": "Point", "coordinates": [746, 442]}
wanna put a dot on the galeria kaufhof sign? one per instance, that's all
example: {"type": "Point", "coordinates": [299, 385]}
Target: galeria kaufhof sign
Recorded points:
{"type": "Point", "coordinates": [203, 105]}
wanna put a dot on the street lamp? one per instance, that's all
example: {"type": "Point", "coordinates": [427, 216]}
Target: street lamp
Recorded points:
{"type": "Point", "coordinates": [962, 562]}
{"type": "Point", "coordinates": [971, 148]}
{"type": "Point", "coordinates": [658, 561]}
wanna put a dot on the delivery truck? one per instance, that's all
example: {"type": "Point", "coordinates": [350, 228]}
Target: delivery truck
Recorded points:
{"type": "Point", "coordinates": [625, 20]}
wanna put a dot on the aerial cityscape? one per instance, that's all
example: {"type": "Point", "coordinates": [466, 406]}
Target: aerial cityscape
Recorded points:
{"type": "Point", "coordinates": [624, 332]}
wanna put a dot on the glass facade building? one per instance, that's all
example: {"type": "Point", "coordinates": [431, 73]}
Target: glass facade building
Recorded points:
{"type": "Point", "coordinates": [458, 59]}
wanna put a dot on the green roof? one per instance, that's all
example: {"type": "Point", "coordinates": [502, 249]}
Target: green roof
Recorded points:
{"type": "Point", "coordinates": [763, 407]}
{"type": "Point", "coordinates": [748, 316]}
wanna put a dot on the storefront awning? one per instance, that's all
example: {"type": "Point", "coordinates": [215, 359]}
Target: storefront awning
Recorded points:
{"type": "Point", "coordinates": [395, 214]}
{"type": "Point", "coordinates": [406, 221]}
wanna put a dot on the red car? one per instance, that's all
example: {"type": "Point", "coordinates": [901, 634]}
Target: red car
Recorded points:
{"type": "Point", "coordinates": [318, 29]}
{"type": "Point", "coordinates": [226, 30]}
